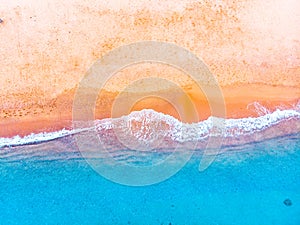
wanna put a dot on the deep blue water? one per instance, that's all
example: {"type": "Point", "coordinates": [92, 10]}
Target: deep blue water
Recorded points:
{"type": "Point", "coordinates": [245, 185]}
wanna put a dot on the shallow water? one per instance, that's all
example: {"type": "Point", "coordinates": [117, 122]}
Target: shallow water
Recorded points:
{"type": "Point", "coordinates": [254, 178]}
{"type": "Point", "coordinates": [244, 185]}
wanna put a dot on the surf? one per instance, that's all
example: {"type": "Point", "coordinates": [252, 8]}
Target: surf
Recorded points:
{"type": "Point", "coordinates": [145, 124]}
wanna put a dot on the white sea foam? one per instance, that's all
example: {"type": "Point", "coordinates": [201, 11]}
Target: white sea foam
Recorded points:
{"type": "Point", "coordinates": [174, 129]}
{"type": "Point", "coordinates": [35, 138]}
{"type": "Point", "coordinates": [235, 127]}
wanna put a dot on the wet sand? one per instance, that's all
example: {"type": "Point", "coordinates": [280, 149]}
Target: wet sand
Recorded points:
{"type": "Point", "coordinates": [57, 113]}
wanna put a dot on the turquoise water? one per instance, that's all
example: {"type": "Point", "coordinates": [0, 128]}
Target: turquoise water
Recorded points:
{"type": "Point", "coordinates": [258, 183]}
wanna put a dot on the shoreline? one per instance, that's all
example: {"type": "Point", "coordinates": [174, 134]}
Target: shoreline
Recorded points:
{"type": "Point", "coordinates": [56, 113]}
{"type": "Point", "coordinates": [237, 131]}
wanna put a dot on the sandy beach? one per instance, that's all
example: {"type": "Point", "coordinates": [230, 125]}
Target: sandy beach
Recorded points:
{"type": "Point", "coordinates": [47, 47]}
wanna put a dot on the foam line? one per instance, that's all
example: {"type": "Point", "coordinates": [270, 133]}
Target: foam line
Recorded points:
{"type": "Point", "coordinates": [173, 128]}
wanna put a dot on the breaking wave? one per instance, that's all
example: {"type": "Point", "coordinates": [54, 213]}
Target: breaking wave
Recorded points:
{"type": "Point", "coordinates": [149, 128]}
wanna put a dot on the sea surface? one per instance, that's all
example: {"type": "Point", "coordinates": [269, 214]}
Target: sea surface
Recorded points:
{"type": "Point", "coordinates": [253, 178]}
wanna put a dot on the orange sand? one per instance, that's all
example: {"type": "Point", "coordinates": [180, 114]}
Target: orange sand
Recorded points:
{"type": "Point", "coordinates": [57, 113]}
{"type": "Point", "coordinates": [252, 47]}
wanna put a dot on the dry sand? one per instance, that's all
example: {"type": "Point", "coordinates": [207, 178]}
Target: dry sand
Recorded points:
{"type": "Point", "coordinates": [252, 48]}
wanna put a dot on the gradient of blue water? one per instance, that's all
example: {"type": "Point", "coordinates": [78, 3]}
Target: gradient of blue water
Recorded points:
{"type": "Point", "coordinates": [243, 186]}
